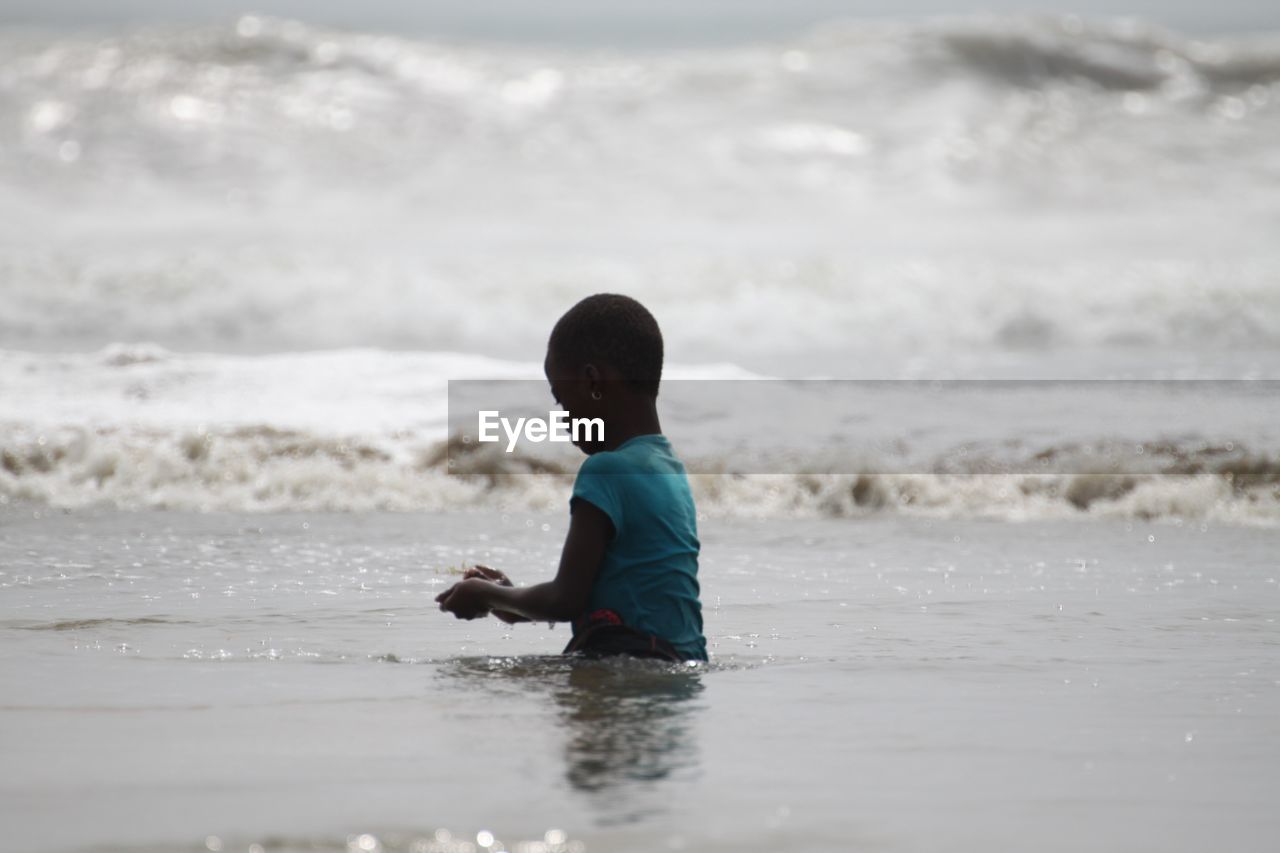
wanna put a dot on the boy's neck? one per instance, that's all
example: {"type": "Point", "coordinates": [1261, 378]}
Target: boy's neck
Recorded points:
{"type": "Point", "coordinates": [636, 416]}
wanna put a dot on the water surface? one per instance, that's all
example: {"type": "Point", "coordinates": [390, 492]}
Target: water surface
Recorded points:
{"type": "Point", "coordinates": [885, 683]}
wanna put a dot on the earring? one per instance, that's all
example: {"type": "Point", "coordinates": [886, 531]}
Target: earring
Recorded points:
{"type": "Point", "coordinates": [596, 395]}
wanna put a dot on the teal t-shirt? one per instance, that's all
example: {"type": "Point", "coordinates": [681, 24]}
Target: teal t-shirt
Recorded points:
{"type": "Point", "coordinates": [649, 574]}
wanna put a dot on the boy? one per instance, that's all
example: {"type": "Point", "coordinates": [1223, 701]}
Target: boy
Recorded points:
{"type": "Point", "coordinates": [628, 576]}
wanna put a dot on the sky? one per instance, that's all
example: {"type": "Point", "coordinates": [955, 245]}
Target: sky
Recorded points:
{"type": "Point", "coordinates": [623, 21]}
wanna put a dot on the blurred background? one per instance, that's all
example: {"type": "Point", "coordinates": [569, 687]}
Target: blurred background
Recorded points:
{"type": "Point", "coordinates": [305, 219]}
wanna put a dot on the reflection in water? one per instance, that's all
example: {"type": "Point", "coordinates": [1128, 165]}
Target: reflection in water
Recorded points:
{"type": "Point", "coordinates": [629, 723]}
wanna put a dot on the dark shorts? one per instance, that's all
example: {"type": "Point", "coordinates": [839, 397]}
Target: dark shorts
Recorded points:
{"type": "Point", "coordinates": [603, 634]}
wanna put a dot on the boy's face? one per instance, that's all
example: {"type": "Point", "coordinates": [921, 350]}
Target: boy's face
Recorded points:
{"type": "Point", "coordinates": [572, 392]}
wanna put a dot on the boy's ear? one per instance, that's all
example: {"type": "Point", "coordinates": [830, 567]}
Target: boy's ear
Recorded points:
{"type": "Point", "coordinates": [594, 380]}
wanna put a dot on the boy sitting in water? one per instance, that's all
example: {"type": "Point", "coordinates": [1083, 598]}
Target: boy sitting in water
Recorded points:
{"type": "Point", "coordinates": [628, 576]}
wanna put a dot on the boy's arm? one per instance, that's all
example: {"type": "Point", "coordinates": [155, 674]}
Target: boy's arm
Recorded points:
{"type": "Point", "coordinates": [558, 600]}
{"type": "Point", "coordinates": [498, 577]}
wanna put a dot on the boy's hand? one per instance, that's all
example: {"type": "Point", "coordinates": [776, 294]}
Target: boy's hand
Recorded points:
{"type": "Point", "coordinates": [498, 577]}
{"type": "Point", "coordinates": [486, 573]}
{"type": "Point", "coordinates": [465, 600]}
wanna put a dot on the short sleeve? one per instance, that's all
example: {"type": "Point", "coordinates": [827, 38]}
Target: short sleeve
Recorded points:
{"type": "Point", "coordinates": [599, 487]}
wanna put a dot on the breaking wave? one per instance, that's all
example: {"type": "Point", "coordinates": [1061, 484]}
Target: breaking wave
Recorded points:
{"type": "Point", "coordinates": [899, 188]}
{"type": "Point", "coordinates": [264, 469]}
{"type": "Point", "coordinates": [282, 114]}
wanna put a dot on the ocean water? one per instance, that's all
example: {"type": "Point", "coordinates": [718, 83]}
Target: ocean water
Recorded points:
{"type": "Point", "coordinates": [179, 681]}
{"type": "Point", "coordinates": [241, 262]}
{"type": "Point", "coordinates": [903, 193]}
{"type": "Point", "coordinates": [1027, 597]}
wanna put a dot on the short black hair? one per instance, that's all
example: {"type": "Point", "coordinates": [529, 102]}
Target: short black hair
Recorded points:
{"type": "Point", "coordinates": [612, 329]}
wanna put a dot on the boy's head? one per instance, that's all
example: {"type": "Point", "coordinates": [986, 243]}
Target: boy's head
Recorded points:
{"type": "Point", "coordinates": [615, 335]}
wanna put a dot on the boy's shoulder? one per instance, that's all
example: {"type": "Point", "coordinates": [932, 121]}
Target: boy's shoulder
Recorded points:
{"type": "Point", "coordinates": [633, 457]}
{"type": "Point", "coordinates": [605, 462]}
